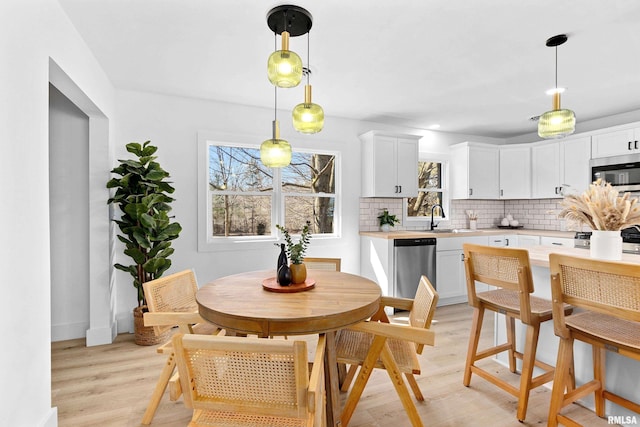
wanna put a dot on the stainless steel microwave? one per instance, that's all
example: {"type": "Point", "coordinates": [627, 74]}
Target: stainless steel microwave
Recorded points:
{"type": "Point", "coordinates": [622, 172]}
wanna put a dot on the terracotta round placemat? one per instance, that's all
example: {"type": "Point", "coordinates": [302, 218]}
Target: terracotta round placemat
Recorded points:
{"type": "Point", "coordinates": [272, 285]}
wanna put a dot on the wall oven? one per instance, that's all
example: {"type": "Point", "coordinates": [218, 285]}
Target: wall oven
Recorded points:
{"type": "Point", "coordinates": [622, 172]}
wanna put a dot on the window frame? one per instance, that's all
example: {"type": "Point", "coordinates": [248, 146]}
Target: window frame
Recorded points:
{"type": "Point", "coordinates": [444, 161]}
{"type": "Point", "coordinates": [208, 243]}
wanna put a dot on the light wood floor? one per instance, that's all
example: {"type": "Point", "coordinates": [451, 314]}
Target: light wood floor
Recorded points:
{"type": "Point", "coordinates": [110, 386]}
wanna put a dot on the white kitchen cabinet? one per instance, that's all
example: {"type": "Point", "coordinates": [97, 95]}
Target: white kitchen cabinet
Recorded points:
{"type": "Point", "coordinates": [450, 277]}
{"type": "Point", "coordinates": [556, 241]}
{"type": "Point", "coordinates": [515, 171]}
{"type": "Point", "coordinates": [475, 171]}
{"type": "Point", "coordinates": [560, 167]}
{"type": "Point", "coordinates": [524, 240]}
{"type": "Point", "coordinates": [450, 274]}
{"type": "Point", "coordinates": [616, 143]}
{"type": "Point", "coordinates": [575, 173]}
{"type": "Point", "coordinates": [390, 165]}
{"type": "Point", "coordinates": [502, 240]}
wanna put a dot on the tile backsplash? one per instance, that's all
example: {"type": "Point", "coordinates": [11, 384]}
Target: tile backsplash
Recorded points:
{"type": "Point", "coordinates": [537, 214]}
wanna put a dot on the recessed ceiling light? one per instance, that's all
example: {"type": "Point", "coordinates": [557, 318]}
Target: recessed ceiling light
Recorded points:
{"type": "Point", "coordinates": [555, 90]}
{"type": "Point", "coordinates": [434, 126]}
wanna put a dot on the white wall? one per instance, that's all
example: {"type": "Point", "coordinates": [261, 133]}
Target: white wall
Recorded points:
{"type": "Point", "coordinates": [33, 31]}
{"type": "Point", "coordinates": [173, 123]}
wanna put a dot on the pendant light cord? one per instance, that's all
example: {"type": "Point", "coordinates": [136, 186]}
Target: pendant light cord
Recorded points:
{"type": "Point", "coordinates": [556, 68]}
{"type": "Point", "coordinates": [308, 62]}
{"type": "Point", "coordinates": [275, 87]}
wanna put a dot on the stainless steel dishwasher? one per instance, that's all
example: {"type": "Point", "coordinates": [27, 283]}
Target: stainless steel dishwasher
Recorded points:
{"type": "Point", "coordinates": [413, 258]}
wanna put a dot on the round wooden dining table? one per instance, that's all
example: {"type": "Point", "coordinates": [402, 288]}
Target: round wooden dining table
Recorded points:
{"type": "Point", "coordinates": [241, 304]}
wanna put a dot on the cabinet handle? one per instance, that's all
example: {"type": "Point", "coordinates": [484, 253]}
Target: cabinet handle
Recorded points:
{"type": "Point", "coordinates": [556, 243]}
{"type": "Point", "coordinates": [629, 146]}
{"type": "Point", "coordinates": [507, 240]}
{"type": "Point", "coordinates": [462, 257]}
{"type": "Point", "coordinates": [471, 191]}
{"type": "Point", "coordinates": [400, 189]}
{"type": "Point", "coordinates": [501, 192]}
{"type": "Point", "coordinates": [635, 144]}
{"type": "Point", "coordinates": [396, 190]}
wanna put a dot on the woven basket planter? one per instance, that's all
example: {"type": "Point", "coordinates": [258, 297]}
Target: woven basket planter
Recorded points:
{"type": "Point", "coordinates": [146, 335]}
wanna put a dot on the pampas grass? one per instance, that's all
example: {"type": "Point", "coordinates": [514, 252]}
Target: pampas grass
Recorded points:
{"type": "Point", "coordinates": [601, 208]}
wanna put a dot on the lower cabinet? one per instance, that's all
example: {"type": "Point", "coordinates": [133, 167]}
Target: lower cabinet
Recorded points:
{"type": "Point", "coordinates": [526, 240]}
{"type": "Point", "coordinates": [556, 241]}
{"type": "Point", "coordinates": [451, 282]}
{"type": "Point", "coordinates": [451, 278]}
{"type": "Point", "coordinates": [502, 240]}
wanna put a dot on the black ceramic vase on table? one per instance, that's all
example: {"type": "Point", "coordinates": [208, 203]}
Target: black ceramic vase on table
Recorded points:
{"type": "Point", "coordinates": [283, 273]}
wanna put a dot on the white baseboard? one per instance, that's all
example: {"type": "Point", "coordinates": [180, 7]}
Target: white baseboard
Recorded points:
{"type": "Point", "coordinates": [100, 336]}
{"type": "Point", "coordinates": [68, 331]}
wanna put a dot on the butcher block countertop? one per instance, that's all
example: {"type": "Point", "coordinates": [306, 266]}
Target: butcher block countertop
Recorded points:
{"type": "Point", "coordinates": [414, 234]}
{"type": "Point", "coordinates": [539, 255]}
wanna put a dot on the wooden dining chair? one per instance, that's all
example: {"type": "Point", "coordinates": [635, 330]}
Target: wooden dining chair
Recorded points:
{"type": "Point", "coordinates": [509, 271]}
{"type": "Point", "coordinates": [332, 264]}
{"type": "Point", "coordinates": [377, 343]}
{"type": "Point", "coordinates": [607, 294]}
{"type": "Point", "coordinates": [244, 381]}
{"type": "Point", "coordinates": [171, 301]}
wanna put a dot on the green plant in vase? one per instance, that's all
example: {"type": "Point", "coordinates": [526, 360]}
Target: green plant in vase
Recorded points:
{"type": "Point", "coordinates": [387, 220]}
{"type": "Point", "coordinates": [296, 251]}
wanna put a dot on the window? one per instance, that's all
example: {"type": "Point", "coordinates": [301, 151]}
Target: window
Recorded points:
{"type": "Point", "coordinates": [245, 199]}
{"type": "Point", "coordinates": [431, 191]}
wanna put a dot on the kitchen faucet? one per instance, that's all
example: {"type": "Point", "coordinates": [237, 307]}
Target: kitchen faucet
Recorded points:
{"type": "Point", "coordinates": [441, 211]}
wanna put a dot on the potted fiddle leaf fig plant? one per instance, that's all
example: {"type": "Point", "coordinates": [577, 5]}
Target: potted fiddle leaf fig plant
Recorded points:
{"type": "Point", "coordinates": [296, 251]}
{"type": "Point", "coordinates": [142, 193]}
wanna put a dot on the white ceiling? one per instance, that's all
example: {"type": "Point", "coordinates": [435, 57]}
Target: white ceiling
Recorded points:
{"type": "Point", "coordinates": [474, 67]}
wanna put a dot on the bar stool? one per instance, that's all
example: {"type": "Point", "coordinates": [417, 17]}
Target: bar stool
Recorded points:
{"type": "Point", "coordinates": [608, 295]}
{"type": "Point", "coordinates": [509, 271]}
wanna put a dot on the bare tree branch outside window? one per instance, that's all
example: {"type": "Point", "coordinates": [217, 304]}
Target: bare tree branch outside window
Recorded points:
{"type": "Point", "coordinates": [243, 196]}
{"type": "Point", "coordinates": [430, 190]}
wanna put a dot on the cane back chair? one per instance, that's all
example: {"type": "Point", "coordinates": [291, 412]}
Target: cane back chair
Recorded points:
{"type": "Point", "coordinates": [171, 301]}
{"type": "Point", "coordinates": [377, 343]}
{"type": "Point", "coordinates": [240, 381]}
{"type": "Point", "coordinates": [608, 296]}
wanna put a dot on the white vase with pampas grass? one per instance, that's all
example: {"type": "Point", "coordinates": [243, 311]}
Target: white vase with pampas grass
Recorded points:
{"type": "Point", "coordinates": [606, 212]}
{"type": "Point", "coordinates": [606, 244]}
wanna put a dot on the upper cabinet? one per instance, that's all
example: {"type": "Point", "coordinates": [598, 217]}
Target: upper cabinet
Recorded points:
{"type": "Point", "coordinates": [515, 171]}
{"type": "Point", "coordinates": [617, 143]}
{"type": "Point", "coordinates": [389, 165]}
{"type": "Point", "coordinates": [475, 171]}
{"type": "Point", "coordinates": [560, 167]}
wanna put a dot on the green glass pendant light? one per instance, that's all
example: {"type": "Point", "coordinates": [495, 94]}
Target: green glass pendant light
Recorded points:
{"type": "Point", "coordinates": [275, 152]}
{"type": "Point", "coordinates": [308, 117]}
{"type": "Point", "coordinates": [284, 67]}
{"type": "Point", "coordinates": [558, 122]}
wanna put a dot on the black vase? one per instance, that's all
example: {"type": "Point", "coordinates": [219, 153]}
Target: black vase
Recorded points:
{"type": "Point", "coordinates": [282, 258]}
{"type": "Point", "coordinates": [284, 275]}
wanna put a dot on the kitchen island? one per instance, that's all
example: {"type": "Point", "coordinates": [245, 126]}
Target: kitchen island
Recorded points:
{"type": "Point", "coordinates": [622, 373]}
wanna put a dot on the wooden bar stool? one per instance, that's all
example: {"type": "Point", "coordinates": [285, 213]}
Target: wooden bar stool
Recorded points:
{"type": "Point", "coordinates": [608, 295]}
{"type": "Point", "coordinates": [509, 271]}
